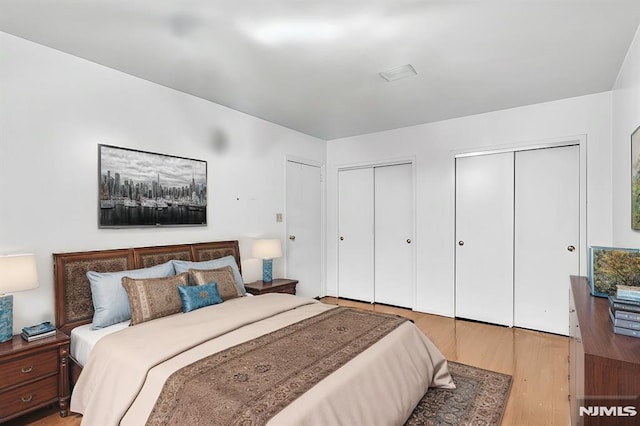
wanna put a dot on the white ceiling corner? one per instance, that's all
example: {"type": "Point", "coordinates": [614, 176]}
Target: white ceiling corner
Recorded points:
{"type": "Point", "coordinates": [314, 66]}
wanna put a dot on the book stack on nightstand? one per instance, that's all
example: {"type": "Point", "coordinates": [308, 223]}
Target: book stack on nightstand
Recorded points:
{"type": "Point", "coordinates": [38, 331]}
{"type": "Point", "coordinates": [624, 310]}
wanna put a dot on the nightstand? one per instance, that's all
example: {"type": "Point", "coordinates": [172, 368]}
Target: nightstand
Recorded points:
{"type": "Point", "coordinates": [34, 374]}
{"type": "Point", "coordinates": [279, 285]}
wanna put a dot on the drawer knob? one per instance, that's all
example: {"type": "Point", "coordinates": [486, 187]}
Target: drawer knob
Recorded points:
{"type": "Point", "coordinates": [28, 398]}
{"type": "Point", "coordinates": [27, 369]}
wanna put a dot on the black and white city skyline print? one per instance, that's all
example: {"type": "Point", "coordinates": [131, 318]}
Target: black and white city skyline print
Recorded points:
{"type": "Point", "coordinates": [139, 188]}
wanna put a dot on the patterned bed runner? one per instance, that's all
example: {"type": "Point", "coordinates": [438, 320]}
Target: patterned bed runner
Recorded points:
{"type": "Point", "coordinates": [250, 383]}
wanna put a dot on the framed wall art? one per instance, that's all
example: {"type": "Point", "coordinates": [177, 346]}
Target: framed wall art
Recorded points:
{"type": "Point", "coordinates": [145, 189]}
{"type": "Point", "coordinates": [635, 179]}
{"type": "Point", "coordinates": [612, 266]}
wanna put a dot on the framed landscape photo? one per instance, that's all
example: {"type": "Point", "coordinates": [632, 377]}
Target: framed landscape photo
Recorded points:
{"type": "Point", "coordinates": [145, 189]}
{"type": "Point", "coordinates": [613, 266]}
{"type": "Point", "coordinates": [635, 179]}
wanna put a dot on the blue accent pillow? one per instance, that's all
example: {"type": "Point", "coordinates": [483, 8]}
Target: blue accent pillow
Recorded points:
{"type": "Point", "coordinates": [110, 301]}
{"type": "Point", "coordinates": [184, 266]}
{"type": "Point", "coordinates": [198, 296]}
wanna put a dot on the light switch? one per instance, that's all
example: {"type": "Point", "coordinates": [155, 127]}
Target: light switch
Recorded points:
{"type": "Point", "coordinates": [278, 217]}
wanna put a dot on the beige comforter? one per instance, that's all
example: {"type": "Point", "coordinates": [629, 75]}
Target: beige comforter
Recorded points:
{"type": "Point", "coordinates": [126, 370]}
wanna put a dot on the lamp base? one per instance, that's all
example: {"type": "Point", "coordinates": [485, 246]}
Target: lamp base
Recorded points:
{"type": "Point", "coordinates": [267, 270]}
{"type": "Point", "coordinates": [6, 317]}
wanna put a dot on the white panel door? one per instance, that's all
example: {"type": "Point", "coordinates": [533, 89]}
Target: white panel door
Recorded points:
{"type": "Point", "coordinates": [304, 228]}
{"type": "Point", "coordinates": [394, 235]}
{"type": "Point", "coordinates": [355, 234]}
{"type": "Point", "coordinates": [546, 237]}
{"type": "Point", "coordinates": [484, 238]}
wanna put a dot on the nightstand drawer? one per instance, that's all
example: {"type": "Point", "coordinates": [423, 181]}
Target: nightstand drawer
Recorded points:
{"type": "Point", "coordinates": [28, 368]}
{"type": "Point", "coordinates": [290, 289]}
{"type": "Point", "coordinates": [278, 285]}
{"type": "Point", "coordinates": [25, 397]}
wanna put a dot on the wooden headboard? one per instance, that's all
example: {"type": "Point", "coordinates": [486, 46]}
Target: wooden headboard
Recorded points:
{"type": "Point", "coordinates": [74, 306]}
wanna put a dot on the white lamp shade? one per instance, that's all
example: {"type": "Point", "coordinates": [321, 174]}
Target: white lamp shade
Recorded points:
{"type": "Point", "coordinates": [267, 249]}
{"type": "Point", "coordinates": [18, 273]}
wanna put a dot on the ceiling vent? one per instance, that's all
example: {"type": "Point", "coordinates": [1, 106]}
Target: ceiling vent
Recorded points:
{"type": "Point", "coordinates": [398, 73]}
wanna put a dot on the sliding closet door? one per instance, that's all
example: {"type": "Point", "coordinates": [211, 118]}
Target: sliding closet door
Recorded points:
{"type": "Point", "coordinates": [546, 237]}
{"type": "Point", "coordinates": [355, 234]}
{"type": "Point", "coordinates": [484, 238]}
{"type": "Point", "coordinates": [394, 235]}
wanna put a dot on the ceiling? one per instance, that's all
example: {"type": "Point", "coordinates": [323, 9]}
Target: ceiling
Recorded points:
{"type": "Point", "coordinates": [313, 65]}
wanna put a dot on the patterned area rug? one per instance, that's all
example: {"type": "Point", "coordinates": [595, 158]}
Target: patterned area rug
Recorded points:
{"type": "Point", "coordinates": [480, 398]}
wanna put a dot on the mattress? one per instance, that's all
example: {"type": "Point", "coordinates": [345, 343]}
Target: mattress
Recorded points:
{"type": "Point", "coordinates": [126, 371]}
{"type": "Point", "coordinates": [84, 338]}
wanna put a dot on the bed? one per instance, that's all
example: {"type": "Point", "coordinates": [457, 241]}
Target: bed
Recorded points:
{"type": "Point", "coordinates": [272, 359]}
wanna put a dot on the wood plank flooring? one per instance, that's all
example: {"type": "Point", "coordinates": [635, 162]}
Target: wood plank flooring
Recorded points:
{"type": "Point", "coordinates": [537, 361]}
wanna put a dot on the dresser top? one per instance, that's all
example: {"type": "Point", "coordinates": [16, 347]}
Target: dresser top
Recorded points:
{"type": "Point", "coordinates": [597, 334]}
{"type": "Point", "coordinates": [18, 344]}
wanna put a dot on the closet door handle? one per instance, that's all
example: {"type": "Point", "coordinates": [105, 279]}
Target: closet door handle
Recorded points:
{"type": "Point", "coordinates": [460, 243]}
{"type": "Point", "coordinates": [571, 248]}
{"type": "Point", "coordinates": [408, 240]}
{"type": "Point", "coordinates": [341, 238]}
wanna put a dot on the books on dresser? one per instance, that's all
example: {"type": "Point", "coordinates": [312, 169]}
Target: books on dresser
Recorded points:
{"type": "Point", "coordinates": [624, 315]}
{"type": "Point", "coordinates": [625, 305]}
{"type": "Point", "coordinates": [624, 311]}
{"type": "Point", "coordinates": [626, 331]}
{"type": "Point", "coordinates": [38, 331]}
{"type": "Point", "coordinates": [627, 292]}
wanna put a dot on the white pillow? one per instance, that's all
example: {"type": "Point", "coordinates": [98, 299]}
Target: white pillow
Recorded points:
{"type": "Point", "coordinates": [110, 301]}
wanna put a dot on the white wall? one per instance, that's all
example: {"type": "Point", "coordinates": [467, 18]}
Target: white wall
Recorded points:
{"type": "Point", "coordinates": [56, 108]}
{"type": "Point", "coordinates": [626, 118]}
{"type": "Point", "coordinates": [54, 111]}
{"type": "Point", "coordinates": [433, 146]}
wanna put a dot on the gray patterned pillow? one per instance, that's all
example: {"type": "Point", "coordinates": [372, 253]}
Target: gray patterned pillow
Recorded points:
{"type": "Point", "coordinates": [184, 266]}
{"type": "Point", "coordinates": [151, 298]}
{"type": "Point", "coordinates": [224, 277]}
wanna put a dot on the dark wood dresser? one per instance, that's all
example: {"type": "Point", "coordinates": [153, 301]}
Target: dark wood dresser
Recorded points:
{"type": "Point", "coordinates": [604, 367]}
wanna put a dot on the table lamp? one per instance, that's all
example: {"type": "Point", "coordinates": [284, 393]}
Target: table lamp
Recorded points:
{"type": "Point", "coordinates": [267, 250]}
{"type": "Point", "coordinates": [17, 273]}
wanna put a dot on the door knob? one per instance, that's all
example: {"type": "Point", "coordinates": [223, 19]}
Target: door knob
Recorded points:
{"type": "Point", "coordinates": [341, 238]}
{"type": "Point", "coordinates": [292, 237]}
{"type": "Point", "coordinates": [460, 243]}
{"type": "Point", "coordinates": [571, 248]}
{"type": "Point", "coordinates": [408, 240]}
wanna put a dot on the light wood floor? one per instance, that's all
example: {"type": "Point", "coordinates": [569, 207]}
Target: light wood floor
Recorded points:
{"type": "Point", "coordinates": [537, 361]}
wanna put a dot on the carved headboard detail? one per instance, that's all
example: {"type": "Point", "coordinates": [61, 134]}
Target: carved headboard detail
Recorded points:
{"type": "Point", "coordinates": [74, 306]}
